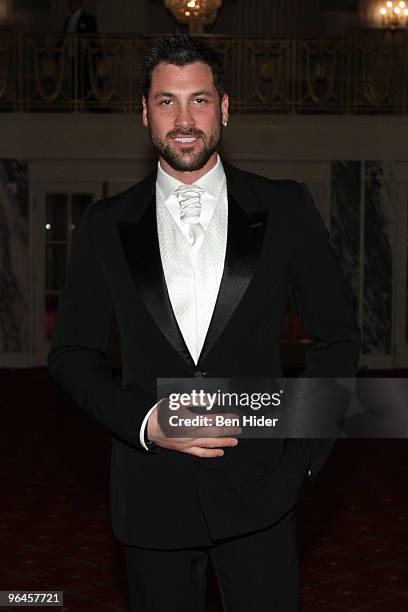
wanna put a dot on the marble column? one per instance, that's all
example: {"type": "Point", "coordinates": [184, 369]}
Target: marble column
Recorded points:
{"type": "Point", "coordinates": [14, 257]}
{"type": "Point", "coordinates": [345, 206]}
{"type": "Point", "coordinates": [377, 303]}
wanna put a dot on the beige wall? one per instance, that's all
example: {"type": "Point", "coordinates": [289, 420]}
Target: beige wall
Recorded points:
{"type": "Point", "coordinates": [248, 136]}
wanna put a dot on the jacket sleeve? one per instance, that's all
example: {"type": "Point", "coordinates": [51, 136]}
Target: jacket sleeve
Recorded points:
{"type": "Point", "coordinates": [77, 357]}
{"type": "Point", "coordinates": [325, 305]}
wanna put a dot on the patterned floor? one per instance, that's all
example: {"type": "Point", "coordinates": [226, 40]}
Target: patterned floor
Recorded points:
{"type": "Point", "coordinates": [55, 526]}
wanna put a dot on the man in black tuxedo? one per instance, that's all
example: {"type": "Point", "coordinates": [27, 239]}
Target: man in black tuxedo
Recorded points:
{"type": "Point", "coordinates": [196, 262]}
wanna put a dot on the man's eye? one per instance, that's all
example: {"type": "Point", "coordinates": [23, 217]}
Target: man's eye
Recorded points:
{"type": "Point", "coordinates": [165, 102]}
{"type": "Point", "coordinates": [200, 100]}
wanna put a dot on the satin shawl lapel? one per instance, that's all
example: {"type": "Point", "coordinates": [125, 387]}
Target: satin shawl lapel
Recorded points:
{"type": "Point", "coordinates": [138, 234]}
{"type": "Point", "coordinates": [245, 236]}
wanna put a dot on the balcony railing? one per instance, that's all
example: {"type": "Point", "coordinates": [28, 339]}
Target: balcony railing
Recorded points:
{"type": "Point", "coordinates": [364, 72]}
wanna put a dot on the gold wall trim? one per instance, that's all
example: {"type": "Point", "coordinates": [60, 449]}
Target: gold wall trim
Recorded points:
{"type": "Point", "coordinates": [364, 72]}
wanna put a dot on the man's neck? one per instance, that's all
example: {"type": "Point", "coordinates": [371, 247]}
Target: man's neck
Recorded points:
{"type": "Point", "coordinates": [189, 177]}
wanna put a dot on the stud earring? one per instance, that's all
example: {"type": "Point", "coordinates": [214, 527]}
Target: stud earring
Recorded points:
{"type": "Point", "coordinates": [224, 123]}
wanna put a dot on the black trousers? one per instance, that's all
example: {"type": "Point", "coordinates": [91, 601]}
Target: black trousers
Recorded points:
{"type": "Point", "coordinates": [256, 572]}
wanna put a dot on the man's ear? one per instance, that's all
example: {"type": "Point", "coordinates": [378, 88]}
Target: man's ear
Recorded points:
{"type": "Point", "coordinates": [145, 119]}
{"type": "Point", "coordinates": [224, 108]}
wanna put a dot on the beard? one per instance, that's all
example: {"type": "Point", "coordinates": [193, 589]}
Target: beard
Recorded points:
{"type": "Point", "coordinates": [186, 160]}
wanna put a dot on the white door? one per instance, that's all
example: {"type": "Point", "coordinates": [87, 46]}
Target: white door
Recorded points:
{"type": "Point", "coordinates": [55, 215]}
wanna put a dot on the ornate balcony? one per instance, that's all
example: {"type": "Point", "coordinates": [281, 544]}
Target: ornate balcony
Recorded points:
{"type": "Point", "coordinates": [365, 72]}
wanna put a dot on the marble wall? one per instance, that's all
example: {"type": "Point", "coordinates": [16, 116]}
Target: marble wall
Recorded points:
{"type": "Point", "coordinates": [14, 257]}
{"type": "Point", "coordinates": [361, 219]}
{"type": "Point", "coordinates": [345, 218]}
{"type": "Point", "coordinates": [377, 258]}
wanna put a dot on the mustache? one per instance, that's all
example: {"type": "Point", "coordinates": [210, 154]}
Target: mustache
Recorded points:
{"type": "Point", "coordinates": [186, 133]}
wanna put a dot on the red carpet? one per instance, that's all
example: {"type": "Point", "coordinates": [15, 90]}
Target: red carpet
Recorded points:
{"type": "Point", "coordinates": [55, 528]}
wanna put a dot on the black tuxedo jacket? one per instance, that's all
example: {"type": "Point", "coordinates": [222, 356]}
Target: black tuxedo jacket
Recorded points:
{"type": "Point", "coordinates": [276, 241]}
{"type": "Point", "coordinates": [86, 24]}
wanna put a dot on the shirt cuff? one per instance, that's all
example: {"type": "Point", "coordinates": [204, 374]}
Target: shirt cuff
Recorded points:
{"type": "Point", "coordinates": [143, 426]}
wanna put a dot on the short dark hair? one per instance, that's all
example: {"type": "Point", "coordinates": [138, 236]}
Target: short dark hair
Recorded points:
{"type": "Point", "coordinates": [181, 49]}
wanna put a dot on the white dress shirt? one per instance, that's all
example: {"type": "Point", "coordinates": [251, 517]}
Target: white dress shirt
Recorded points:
{"type": "Point", "coordinates": [192, 275]}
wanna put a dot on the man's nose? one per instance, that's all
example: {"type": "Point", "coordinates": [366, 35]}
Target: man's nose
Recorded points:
{"type": "Point", "coordinates": [184, 117]}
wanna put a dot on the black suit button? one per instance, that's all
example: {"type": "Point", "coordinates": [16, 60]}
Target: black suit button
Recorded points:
{"type": "Point", "coordinates": [200, 374]}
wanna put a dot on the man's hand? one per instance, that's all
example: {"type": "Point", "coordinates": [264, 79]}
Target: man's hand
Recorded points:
{"type": "Point", "coordinates": [205, 441]}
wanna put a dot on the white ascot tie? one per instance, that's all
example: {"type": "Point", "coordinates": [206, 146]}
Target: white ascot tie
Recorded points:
{"type": "Point", "coordinates": [189, 197]}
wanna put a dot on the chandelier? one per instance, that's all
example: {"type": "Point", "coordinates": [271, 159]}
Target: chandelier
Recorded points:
{"type": "Point", "coordinates": [195, 13]}
{"type": "Point", "coordinates": [394, 15]}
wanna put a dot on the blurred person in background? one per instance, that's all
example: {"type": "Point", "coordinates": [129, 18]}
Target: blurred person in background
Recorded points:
{"type": "Point", "coordinates": [82, 62]}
